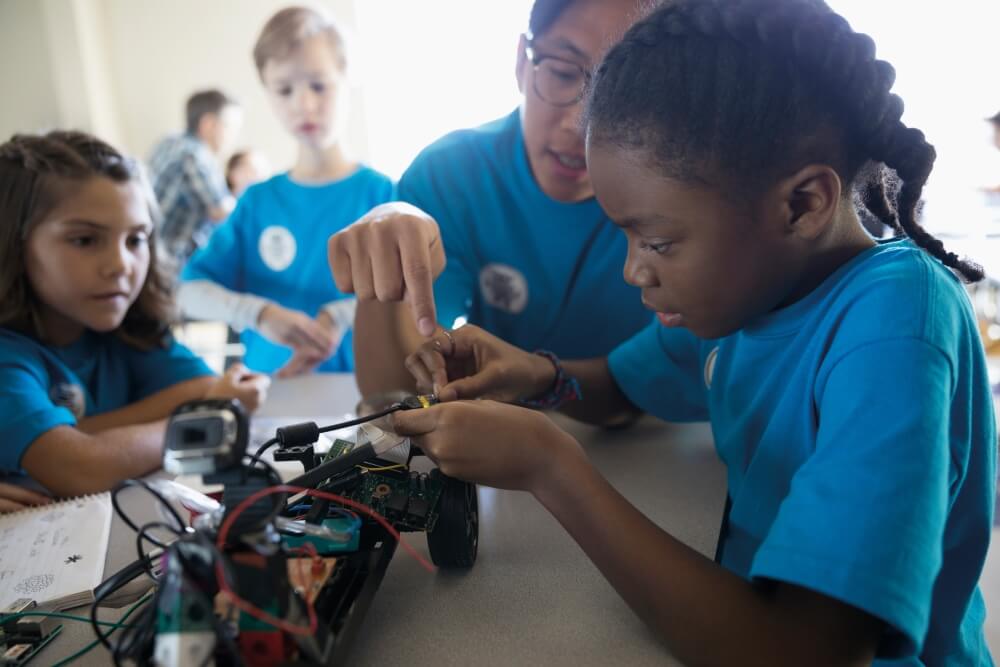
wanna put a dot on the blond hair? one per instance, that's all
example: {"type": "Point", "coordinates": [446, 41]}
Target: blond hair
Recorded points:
{"type": "Point", "coordinates": [285, 31]}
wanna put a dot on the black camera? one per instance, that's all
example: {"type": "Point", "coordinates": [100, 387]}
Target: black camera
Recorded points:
{"type": "Point", "coordinates": [205, 437]}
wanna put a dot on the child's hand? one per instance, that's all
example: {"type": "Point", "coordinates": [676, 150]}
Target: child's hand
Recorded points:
{"type": "Point", "coordinates": [296, 330]}
{"type": "Point", "coordinates": [470, 363]}
{"type": "Point", "coordinates": [305, 359]}
{"type": "Point", "coordinates": [239, 383]}
{"type": "Point", "coordinates": [392, 254]}
{"type": "Point", "coordinates": [490, 443]}
{"type": "Point", "coordinates": [14, 498]}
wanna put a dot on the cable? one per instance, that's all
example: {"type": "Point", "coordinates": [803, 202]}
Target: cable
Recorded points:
{"type": "Point", "coordinates": [262, 615]}
{"type": "Point", "coordinates": [263, 448]}
{"type": "Point", "coordinates": [156, 494]}
{"type": "Point", "coordinates": [121, 623]}
{"type": "Point", "coordinates": [395, 407]}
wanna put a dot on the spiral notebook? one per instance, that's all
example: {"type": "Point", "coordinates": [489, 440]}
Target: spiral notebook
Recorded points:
{"type": "Point", "coordinates": [55, 554]}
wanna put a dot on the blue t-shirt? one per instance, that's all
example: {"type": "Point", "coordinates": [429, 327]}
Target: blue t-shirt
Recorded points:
{"type": "Point", "coordinates": [274, 245]}
{"type": "Point", "coordinates": [536, 272]}
{"type": "Point", "coordinates": [42, 387]}
{"type": "Point", "coordinates": [858, 432]}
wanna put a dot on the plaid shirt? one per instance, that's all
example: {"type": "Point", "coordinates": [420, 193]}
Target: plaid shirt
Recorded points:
{"type": "Point", "coordinates": [188, 183]}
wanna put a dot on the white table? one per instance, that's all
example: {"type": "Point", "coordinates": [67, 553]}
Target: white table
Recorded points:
{"type": "Point", "coordinates": [532, 597]}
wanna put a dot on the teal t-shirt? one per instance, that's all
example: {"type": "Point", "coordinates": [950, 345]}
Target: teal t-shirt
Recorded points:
{"type": "Point", "coordinates": [536, 272]}
{"type": "Point", "coordinates": [857, 427]}
{"type": "Point", "coordinates": [42, 387]}
{"type": "Point", "coordinates": [274, 245]}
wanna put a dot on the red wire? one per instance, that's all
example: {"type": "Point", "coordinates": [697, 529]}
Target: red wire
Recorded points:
{"type": "Point", "coordinates": [262, 615]}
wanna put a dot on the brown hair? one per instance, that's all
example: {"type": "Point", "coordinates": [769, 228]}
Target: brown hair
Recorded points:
{"type": "Point", "coordinates": [32, 167]}
{"type": "Point", "coordinates": [285, 31]}
{"type": "Point", "coordinates": [202, 103]}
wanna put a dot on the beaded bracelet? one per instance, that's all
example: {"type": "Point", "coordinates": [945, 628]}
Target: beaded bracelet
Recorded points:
{"type": "Point", "coordinates": [565, 388]}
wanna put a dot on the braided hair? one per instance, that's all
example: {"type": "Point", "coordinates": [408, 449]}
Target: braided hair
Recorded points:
{"type": "Point", "coordinates": [739, 93]}
{"type": "Point", "coordinates": [35, 171]}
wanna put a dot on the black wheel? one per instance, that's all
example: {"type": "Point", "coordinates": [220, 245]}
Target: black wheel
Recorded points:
{"type": "Point", "coordinates": [455, 539]}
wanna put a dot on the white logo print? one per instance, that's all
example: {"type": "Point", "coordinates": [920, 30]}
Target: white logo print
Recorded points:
{"type": "Point", "coordinates": [710, 366]}
{"type": "Point", "coordinates": [503, 287]}
{"type": "Point", "coordinates": [276, 247]}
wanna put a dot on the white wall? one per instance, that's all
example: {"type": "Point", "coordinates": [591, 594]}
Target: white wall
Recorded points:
{"type": "Point", "coordinates": [160, 52]}
{"type": "Point", "coordinates": [29, 98]}
{"type": "Point", "coordinates": [124, 69]}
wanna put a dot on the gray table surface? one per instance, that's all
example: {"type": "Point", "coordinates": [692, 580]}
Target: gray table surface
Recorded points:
{"type": "Point", "coordinates": [532, 597]}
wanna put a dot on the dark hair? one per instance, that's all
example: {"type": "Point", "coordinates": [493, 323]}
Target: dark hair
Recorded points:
{"type": "Point", "coordinates": [34, 171]}
{"type": "Point", "coordinates": [544, 13]}
{"type": "Point", "coordinates": [231, 164]}
{"type": "Point", "coordinates": [995, 118]}
{"type": "Point", "coordinates": [205, 102]}
{"type": "Point", "coordinates": [747, 91]}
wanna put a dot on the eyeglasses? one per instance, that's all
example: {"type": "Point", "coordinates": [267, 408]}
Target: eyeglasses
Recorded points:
{"type": "Point", "coordinates": [559, 82]}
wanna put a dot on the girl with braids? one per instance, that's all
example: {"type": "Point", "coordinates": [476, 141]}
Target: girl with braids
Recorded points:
{"type": "Point", "coordinates": [88, 369]}
{"type": "Point", "coordinates": [843, 377]}
{"type": "Point", "coordinates": [531, 257]}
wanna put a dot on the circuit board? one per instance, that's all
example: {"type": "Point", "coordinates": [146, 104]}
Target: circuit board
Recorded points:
{"type": "Point", "coordinates": [408, 499]}
{"type": "Point", "coordinates": [13, 652]}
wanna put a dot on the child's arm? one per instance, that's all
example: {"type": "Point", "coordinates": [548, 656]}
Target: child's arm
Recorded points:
{"type": "Point", "coordinates": [103, 450]}
{"type": "Point", "coordinates": [706, 614]}
{"type": "Point", "coordinates": [70, 462]}
{"type": "Point", "coordinates": [471, 363]}
{"type": "Point", "coordinates": [237, 382]}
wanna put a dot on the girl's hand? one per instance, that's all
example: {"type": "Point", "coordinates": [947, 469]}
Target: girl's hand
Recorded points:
{"type": "Point", "coordinates": [491, 443]}
{"type": "Point", "coordinates": [14, 498]}
{"type": "Point", "coordinates": [239, 383]}
{"type": "Point", "coordinates": [470, 363]}
{"type": "Point", "coordinates": [296, 330]}
{"type": "Point", "coordinates": [392, 254]}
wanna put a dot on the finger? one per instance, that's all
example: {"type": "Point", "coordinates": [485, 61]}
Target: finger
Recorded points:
{"type": "Point", "coordinates": [433, 361]}
{"type": "Point", "coordinates": [425, 383]}
{"type": "Point", "coordinates": [340, 262]}
{"type": "Point", "coordinates": [387, 267]}
{"type": "Point", "coordinates": [317, 337]}
{"type": "Point", "coordinates": [473, 386]}
{"type": "Point", "coordinates": [417, 422]}
{"type": "Point", "coordinates": [236, 371]}
{"type": "Point", "coordinates": [24, 496]}
{"type": "Point", "coordinates": [10, 506]}
{"type": "Point", "coordinates": [361, 269]}
{"type": "Point", "coordinates": [419, 283]}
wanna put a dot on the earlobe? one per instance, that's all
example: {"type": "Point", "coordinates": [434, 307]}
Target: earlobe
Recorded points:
{"type": "Point", "coordinates": [812, 196]}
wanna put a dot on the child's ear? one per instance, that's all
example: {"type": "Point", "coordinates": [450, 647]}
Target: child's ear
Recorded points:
{"type": "Point", "coordinates": [810, 198]}
{"type": "Point", "coordinates": [522, 58]}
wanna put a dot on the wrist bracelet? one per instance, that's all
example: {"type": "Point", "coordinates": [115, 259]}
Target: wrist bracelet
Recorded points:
{"type": "Point", "coordinates": [565, 388]}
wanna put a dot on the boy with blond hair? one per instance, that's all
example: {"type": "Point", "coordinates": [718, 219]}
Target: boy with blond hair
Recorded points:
{"type": "Point", "coordinates": [265, 270]}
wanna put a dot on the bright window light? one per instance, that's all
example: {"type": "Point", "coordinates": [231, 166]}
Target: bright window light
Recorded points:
{"type": "Point", "coordinates": [434, 66]}
{"type": "Point", "coordinates": [946, 57]}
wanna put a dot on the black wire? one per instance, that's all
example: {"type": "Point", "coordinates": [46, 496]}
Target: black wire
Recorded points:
{"type": "Point", "coordinates": [395, 407]}
{"type": "Point", "coordinates": [143, 534]}
{"type": "Point", "coordinates": [155, 493]}
{"type": "Point", "coordinates": [263, 448]}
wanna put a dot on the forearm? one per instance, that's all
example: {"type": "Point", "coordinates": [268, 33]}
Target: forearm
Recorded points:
{"type": "Point", "coordinates": [383, 337]}
{"type": "Point", "coordinates": [603, 403]}
{"type": "Point", "coordinates": [152, 408]}
{"type": "Point", "coordinates": [206, 300]}
{"type": "Point", "coordinates": [706, 614]}
{"type": "Point", "coordinates": [68, 462]}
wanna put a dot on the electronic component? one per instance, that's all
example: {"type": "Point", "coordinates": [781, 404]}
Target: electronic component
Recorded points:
{"type": "Point", "coordinates": [204, 437]}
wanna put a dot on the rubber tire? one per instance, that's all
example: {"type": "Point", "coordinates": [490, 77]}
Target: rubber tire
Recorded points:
{"type": "Point", "coordinates": [454, 541]}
